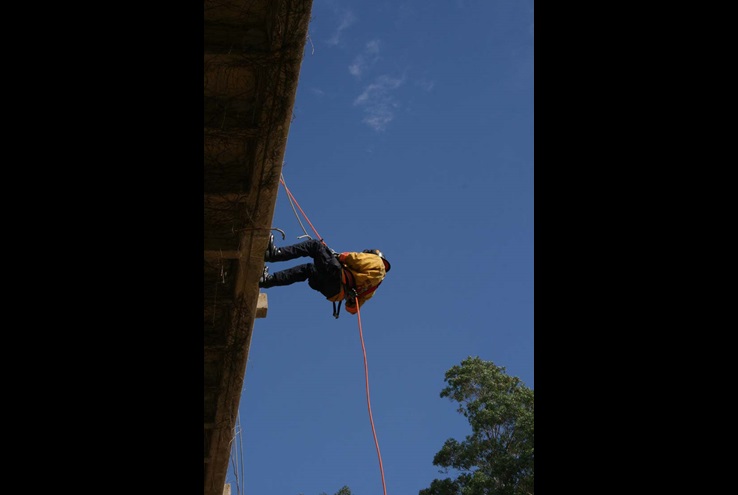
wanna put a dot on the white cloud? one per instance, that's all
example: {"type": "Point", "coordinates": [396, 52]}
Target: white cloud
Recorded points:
{"type": "Point", "coordinates": [357, 67]}
{"type": "Point", "coordinates": [362, 61]}
{"type": "Point", "coordinates": [379, 119]}
{"type": "Point", "coordinates": [378, 102]}
{"type": "Point", "coordinates": [346, 20]}
{"type": "Point", "coordinates": [372, 47]}
{"type": "Point", "coordinates": [426, 85]}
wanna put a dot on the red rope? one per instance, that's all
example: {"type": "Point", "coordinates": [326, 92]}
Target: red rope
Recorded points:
{"type": "Point", "coordinates": [363, 348]}
{"type": "Point", "coordinates": [368, 401]}
{"type": "Point", "coordinates": [281, 179]}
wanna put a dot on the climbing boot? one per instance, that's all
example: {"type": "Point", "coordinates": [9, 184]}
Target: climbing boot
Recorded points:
{"type": "Point", "coordinates": [265, 279]}
{"type": "Point", "coordinates": [271, 250]}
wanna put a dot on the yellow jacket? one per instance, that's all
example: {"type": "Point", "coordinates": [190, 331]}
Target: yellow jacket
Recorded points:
{"type": "Point", "coordinates": [362, 272]}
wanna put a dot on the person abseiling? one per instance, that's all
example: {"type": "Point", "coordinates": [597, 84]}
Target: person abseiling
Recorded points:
{"type": "Point", "coordinates": [350, 276]}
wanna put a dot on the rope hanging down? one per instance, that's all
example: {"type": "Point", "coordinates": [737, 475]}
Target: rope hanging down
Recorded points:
{"type": "Point", "coordinates": [361, 334]}
{"type": "Point", "coordinates": [368, 401]}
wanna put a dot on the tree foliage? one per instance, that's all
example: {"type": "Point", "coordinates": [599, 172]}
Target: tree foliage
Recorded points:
{"type": "Point", "coordinates": [345, 490]}
{"type": "Point", "coordinates": [497, 457]}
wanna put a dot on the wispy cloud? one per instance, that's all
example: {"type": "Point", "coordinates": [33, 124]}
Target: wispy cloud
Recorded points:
{"type": "Point", "coordinates": [426, 85]}
{"type": "Point", "coordinates": [347, 18]}
{"type": "Point", "coordinates": [378, 102]}
{"type": "Point", "coordinates": [368, 57]}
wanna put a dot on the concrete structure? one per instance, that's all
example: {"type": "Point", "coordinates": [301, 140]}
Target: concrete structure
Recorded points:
{"type": "Point", "coordinates": [253, 53]}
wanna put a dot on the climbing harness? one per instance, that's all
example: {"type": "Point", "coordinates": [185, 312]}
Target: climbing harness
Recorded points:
{"type": "Point", "coordinates": [337, 308]}
{"type": "Point", "coordinates": [350, 298]}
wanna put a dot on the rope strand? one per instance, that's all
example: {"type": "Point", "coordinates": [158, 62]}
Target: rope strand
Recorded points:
{"type": "Point", "coordinates": [292, 204]}
{"type": "Point", "coordinates": [361, 337]}
{"type": "Point", "coordinates": [368, 401]}
{"type": "Point", "coordinates": [281, 179]}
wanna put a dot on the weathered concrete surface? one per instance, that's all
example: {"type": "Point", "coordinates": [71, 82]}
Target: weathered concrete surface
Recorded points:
{"type": "Point", "coordinates": [253, 53]}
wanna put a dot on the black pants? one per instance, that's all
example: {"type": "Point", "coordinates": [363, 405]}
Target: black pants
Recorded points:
{"type": "Point", "coordinates": [323, 274]}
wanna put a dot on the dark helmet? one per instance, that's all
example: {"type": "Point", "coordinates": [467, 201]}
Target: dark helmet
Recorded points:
{"type": "Point", "coordinates": [387, 265]}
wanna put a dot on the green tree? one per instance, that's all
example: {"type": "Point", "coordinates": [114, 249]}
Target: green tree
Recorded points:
{"type": "Point", "coordinates": [497, 458]}
{"type": "Point", "coordinates": [345, 490]}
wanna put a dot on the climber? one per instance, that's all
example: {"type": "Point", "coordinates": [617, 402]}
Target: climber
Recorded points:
{"type": "Point", "coordinates": [349, 276]}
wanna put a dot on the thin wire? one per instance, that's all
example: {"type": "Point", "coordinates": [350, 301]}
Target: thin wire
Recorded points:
{"type": "Point", "coordinates": [240, 445]}
{"type": "Point", "coordinates": [236, 460]}
{"type": "Point", "coordinates": [234, 454]}
{"type": "Point", "coordinates": [368, 401]}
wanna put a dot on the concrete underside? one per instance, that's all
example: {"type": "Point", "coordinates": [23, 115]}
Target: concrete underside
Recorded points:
{"type": "Point", "coordinates": [253, 53]}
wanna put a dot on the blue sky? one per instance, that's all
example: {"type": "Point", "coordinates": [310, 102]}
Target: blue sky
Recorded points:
{"type": "Point", "coordinates": [413, 134]}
